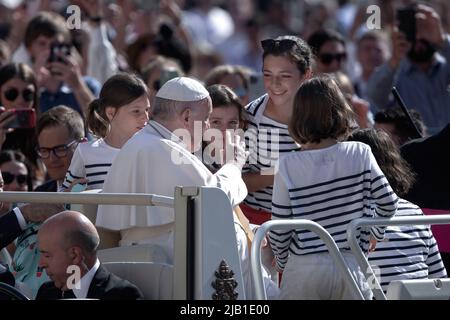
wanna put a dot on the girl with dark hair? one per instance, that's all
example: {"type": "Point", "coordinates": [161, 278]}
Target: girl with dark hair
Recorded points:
{"type": "Point", "coordinates": [121, 110]}
{"type": "Point", "coordinates": [398, 257]}
{"type": "Point", "coordinates": [286, 64]}
{"type": "Point", "coordinates": [227, 114]}
{"type": "Point", "coordinates": [329, 182]}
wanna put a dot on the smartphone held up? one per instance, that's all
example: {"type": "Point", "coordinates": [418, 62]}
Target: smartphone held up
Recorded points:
{"type": "Point", "coordinates": [21, 119]}
{"type": "Point", "coordinates": [406, 18]}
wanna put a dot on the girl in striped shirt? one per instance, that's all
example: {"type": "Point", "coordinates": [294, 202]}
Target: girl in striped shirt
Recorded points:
{"type": "Point", "coordinates": [410, 251]}
{"type": "Point", "coordinates": [330, 182]}
{"type": "Point", "coordinates": [116, 116]}
{"type": "Point", "coordinates": [286, 64]}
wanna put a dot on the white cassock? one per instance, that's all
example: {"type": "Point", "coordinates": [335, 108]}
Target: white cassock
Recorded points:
{"type": "Point", "coordinates": [149, 163]}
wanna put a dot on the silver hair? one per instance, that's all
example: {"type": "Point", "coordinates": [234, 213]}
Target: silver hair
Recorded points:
{"type": "Point", "coordinates": [165, 109]}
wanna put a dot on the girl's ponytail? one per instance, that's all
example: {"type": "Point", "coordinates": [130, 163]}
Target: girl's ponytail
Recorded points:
{"type": "Point", "coordinates": [96, 120]}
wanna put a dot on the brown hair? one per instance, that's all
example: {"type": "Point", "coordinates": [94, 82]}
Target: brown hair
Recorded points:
{"type": "Point", "coordinates": [222, 95]}
{"type": "Point", "coordinates": [320, 111]}
{"type": "Point", "coordinates": [117, 91]}
{"type": "Point", "coordinates": [62, 116]}
{"type": "Point", "coordinates": [160, 63]}
{"type": "Point", "coordinates": [216, 75]}
{"type": "Point", "coordinates": [48, 24]}
{"type": "Point", "coordinates": [395, 168]}
{"type": "Point", "coordinates": [23, 72]}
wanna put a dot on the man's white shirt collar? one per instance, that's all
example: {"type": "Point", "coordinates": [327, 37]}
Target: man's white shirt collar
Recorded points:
{"type": "Point", "coordinates": [85, 282]}
{"type": "Point", "coordinates": [164, 132]}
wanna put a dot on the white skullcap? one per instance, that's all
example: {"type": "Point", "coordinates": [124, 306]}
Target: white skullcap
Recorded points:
{"type": "Point", "coordinates": [11, 4]}
{"type": "Point", "coordinates": [183, 89]}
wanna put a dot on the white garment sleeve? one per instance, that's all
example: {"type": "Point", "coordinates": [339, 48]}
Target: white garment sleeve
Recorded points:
{"type": "Point", "coordinates": [229, 179]}
{"type": "Point", "coordinates": [384, 198]}
{"type": "Point", "coordinates": [281, 209]}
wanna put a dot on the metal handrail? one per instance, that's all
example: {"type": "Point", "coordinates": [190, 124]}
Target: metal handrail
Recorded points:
{"type": "Point", "coordinates": [395, 221]}
{"type": "Point", "coordinates": [137, 199]}
{"type": "Point", "coordinates": [255, 255]}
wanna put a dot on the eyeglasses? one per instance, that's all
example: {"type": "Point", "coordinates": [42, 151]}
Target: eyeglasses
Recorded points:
{"type": "Point", "coordinates": [59, 151]}
{"type": "Point", "coordinates": [270, 45]}
{"type": "Point", "coordinates": [13, 93]}
{"type": "Point", "coordinates": [9, 178]}
{"type": "Point", "coordinates": [327, 58]}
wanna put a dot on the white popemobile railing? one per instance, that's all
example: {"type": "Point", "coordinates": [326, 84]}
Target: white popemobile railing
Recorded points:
{"type": "Point", "coordinates": [395, 221]}
{"type": "Point", "coordinates": [255, 255]}
{"type": "Point", "coordinates": [203, 225]}
{"type": "Point", "coordinates": [333, 249]}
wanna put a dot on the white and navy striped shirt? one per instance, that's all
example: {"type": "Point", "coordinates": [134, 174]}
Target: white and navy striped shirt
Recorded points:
{"type": "Point", "coordinates": [407, 252]}
{"type": "Point", "coordinates": [331, 186]}
{"type": "Point", "coordinates": [267, 140]}
{"type": "Point", "coordinates": [91, 161]}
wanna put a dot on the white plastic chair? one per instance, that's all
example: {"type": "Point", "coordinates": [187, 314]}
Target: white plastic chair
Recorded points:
{"type": "Point", "coordinates": [155, 280]}
{"type": "Point", "coordinates": [423, 289]}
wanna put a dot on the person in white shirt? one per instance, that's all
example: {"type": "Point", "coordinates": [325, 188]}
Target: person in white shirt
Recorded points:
{"type": "Point", "coordinates": [121, 110]}
{"type": "Point", "coordinates": [156, 160]}
{"type": "Point", "coordinates": [329, 182]}
{"type": "Point", "coordinates": [68, 243]}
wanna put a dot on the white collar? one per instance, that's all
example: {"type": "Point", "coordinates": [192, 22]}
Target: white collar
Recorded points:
{"type": "Point", "coordinates": [85, 282]}
{"type": "Point", "coordinates": [165, 133]}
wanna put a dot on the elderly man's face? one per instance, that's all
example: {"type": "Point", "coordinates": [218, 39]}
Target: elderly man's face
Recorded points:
{"type": "Point", "coordinates": [199, 119]}
{"type": "Point", "coordinates": [54, 257]}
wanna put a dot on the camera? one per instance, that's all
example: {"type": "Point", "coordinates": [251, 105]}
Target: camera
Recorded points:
{"type": "Point", "coordinates": [22, 119]}
{"type": "Point", "coordinates": [57, 50]}
{"type": "Point", "coordinates": [406, 18]}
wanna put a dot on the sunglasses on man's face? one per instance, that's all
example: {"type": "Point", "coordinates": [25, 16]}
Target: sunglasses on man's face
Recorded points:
{"type": "Point", "coordinates": [13, 93]}
{"type": "Point", "coordinates": [327, 58]}
{"type": "Point", "coordinates": [9, 178]}
{"type": "Point", "coordinates": [272, 45]}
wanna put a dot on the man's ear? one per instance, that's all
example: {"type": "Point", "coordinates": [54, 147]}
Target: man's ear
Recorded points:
{"type": "Point", "coordinates": [76, 255]}
{"type": "Point", "coordinates": [110, 113]}
{"type": "Point", "coordinates": [186, 116]}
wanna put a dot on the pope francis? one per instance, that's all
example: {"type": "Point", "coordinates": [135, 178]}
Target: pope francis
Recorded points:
{"type": "Point", "coordinates": [158, 158]}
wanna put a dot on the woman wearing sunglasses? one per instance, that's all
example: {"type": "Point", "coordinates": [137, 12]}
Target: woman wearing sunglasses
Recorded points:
{"type": "Point", "coordinates": [329, 49]}
{"type": "Point", "coordinates": [15, 173]}
{"type": "Point", "coordinates": [18, 90]}
{"type": "Point", "coordinates": [286, 64]}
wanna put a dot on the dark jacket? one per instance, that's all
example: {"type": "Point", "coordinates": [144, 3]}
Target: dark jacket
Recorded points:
{"type": "Point", "coordinates": [49, 186]}
{"type": "Point", "coordinates": [9, 229]}
{"type": "Point", "coordinates": [104, 286]}
{"type": "Point", "coordinates": [430, 160]}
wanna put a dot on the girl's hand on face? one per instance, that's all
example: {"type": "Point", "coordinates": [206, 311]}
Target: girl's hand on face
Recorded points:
{"type": "Point", "coordinates": [234, 150]}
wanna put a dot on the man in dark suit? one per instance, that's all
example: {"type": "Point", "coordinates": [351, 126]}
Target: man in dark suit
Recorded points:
{"type": "Point", "coordinates": [13, 222]}
{"type": "Point", "coordinates": [68, 244]}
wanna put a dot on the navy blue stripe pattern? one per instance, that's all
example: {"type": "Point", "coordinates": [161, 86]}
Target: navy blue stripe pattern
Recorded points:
{"type": "Point", "coordinates": [407, 252]}
{"type": "Point", "coordinates": [266, 140]}
{"type": "Point", "coordinates": [332, 187]}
